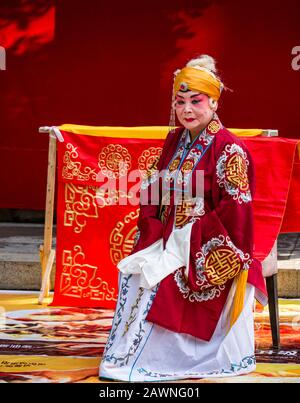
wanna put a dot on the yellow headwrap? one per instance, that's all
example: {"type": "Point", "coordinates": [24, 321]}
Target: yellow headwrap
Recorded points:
{"type": "Point", "coordinates": [193, 79]}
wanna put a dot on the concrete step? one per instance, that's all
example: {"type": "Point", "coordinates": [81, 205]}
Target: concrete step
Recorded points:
{"type": "Point", "coordinates": [289, 278]}
{"type": "Point", "coordinates": [20, 267]}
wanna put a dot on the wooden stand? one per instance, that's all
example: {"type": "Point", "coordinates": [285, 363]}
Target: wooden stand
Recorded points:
{"type": "Point", "coordinates": [47, 254]}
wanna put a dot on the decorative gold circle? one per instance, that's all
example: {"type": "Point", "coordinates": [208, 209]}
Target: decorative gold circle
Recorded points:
{"type": "Point", "coordinates": [114, 161]}
{"type": "Point", "coordinates": [214, 126]}
{"type": "Point", "coordinates": [147, 162]}
{"type": "Point", "coordinates": [236, 172]}
{"type": "Point", "coordinates": [187, 166]}
{"type": "Point", "coordinates": [174, 165]}
{"type": "Point", "coordinates": [222, 264]}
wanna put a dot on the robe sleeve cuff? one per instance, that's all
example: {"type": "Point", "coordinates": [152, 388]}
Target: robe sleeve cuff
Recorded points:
{"type": "Point", "coordinates": [175, 255]}
{"type": "Point", "coordinates": [133, 264]}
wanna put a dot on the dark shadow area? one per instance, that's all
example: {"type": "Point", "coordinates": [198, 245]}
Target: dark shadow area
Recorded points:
{"type": "Point", "coordinates": [23, 216]}
{"type": "Point", "coordinates": [288, 246]}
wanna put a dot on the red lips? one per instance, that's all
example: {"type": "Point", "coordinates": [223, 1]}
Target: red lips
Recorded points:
{"type": "Point", "coordinates": [189, 120]}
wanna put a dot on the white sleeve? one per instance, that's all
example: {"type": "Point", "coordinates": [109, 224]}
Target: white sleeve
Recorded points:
{"type": "Point", "coordinates": [175, 255]}
{"type": "Point", "coordinates": [133, 264]}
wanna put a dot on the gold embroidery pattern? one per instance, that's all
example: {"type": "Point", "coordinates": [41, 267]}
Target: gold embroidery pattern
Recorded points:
{"type": "Point", "coordinates": [232, 173]}
{"type": "Point", "coordinates": [221, 265]}
{"type": "Point", "coordinates": [189, 210]}
{"type": "Point", "coordinates": [122, 237]}
{"type": "Point", "coordinates": [183, 213]}
{"type": "Point", "coordinates": [81, 280]}
{"type": "Point", "coordinates": [73, 169]}
{"type": "Point", "coordinates": [147, 162]}
{"type": "Point", "coordinates": [218, 261]}
{"type": "Point", "coordinates": [214, 126]}
{"type": "Point", "coordinates": [236, 172]}
{"type": "Point", "coordinates": [187, 166]}
{"type": "Point", "coordinates": [110, 197]}
{"type": "Point", "coordinates": [190, 158]}
{"type": "Point", "coordinates": [114, 161]}
{"type": "Point", "coordinates": [80, 204]}
{"type": "Point", "coordinates": [174, 165]}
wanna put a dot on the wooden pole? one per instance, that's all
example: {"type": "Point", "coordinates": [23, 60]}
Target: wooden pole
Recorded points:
{"type": "Point", "coordinates": [49, 210]}
{"type": "Point", "coordinates": [46, 277]}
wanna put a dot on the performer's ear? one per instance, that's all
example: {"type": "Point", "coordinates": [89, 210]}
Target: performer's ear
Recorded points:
{"type": "Point", "coordinates": [213, 104]}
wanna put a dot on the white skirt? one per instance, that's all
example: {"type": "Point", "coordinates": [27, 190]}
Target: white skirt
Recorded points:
{"type": "Point", "coordinates": [138, 350]}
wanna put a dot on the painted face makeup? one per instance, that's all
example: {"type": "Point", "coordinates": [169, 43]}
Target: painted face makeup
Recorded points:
{"type": "Point", "coordinates": [193, 111]}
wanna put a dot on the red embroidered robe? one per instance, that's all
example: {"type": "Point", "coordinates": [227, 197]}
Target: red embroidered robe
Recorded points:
{"type": "Point", "coordinates": [221, 243]}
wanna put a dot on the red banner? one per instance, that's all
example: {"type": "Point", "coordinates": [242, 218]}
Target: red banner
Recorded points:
{"type": "Point", "coordinates": [94, 232]}
{"type": "Point", "coordinates": [277, 190]}
{"type": "Point", "coordinates": [97, 206]}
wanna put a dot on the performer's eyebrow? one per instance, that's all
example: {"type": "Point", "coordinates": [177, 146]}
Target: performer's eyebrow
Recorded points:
{"type": "Point", "coordinates": [192, 96]}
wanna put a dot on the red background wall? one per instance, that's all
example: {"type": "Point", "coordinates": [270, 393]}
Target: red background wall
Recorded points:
{"type": "Point", "coordinates": [96, 62]}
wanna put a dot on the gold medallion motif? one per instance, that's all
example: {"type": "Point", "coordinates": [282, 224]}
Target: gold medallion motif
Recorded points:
{"type": "Point", "coordinates": [174, 165]}
{"type": "Point", "coordinates": [222, 264]}
{"type": "Point", "coordinates": [114, 161]}
{"type": "Point", "coordinates": [214, 126]}
{"type": "Point", "coordinates": [236, 172]}
{"type": "Point", "coordinates": [187, 166]}
{"type": "Point", "coordinates": [147, 162]}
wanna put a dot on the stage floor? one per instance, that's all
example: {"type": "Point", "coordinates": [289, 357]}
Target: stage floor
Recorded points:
{"type": "Point", "coordinates": [49, 344]}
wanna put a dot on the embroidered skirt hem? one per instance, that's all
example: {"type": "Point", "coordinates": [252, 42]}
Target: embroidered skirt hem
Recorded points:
{"type": "Point", "coordinates": [140, 351]}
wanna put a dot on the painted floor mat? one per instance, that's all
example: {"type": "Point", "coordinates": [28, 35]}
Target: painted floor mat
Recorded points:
{"type": "Point", "coordinates": [64, 345]}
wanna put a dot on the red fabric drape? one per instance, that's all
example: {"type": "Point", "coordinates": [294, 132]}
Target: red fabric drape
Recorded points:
{"type": "Point", "coordinates": [275, 202]}
{"type": "Point", "coordinates": [291, 217]}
